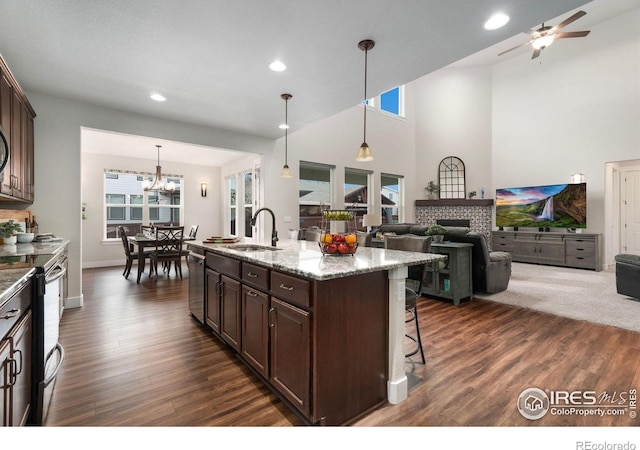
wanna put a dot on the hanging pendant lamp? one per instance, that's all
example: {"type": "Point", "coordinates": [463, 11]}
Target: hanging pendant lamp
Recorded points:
{"type": "Point", "coordinates": [158, 185]}
{"type": "Point", "coordinates": [364, 154]}
{"type": "Point", "coordinates": [286, 171]}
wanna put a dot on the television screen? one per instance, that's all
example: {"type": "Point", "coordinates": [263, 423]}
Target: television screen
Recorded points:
{"type": "Point", "coordinates": [553, 206]}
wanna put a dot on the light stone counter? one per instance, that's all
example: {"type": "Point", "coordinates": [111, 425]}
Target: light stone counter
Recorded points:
{"type": "Point", "coordinates": [304, 259]}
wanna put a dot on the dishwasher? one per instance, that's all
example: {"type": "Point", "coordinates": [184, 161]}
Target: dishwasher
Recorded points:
{"type": "Point", "coordinates": [196, 264]}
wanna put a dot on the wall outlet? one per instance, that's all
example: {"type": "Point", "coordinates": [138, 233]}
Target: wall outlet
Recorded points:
{"type": "Point", "coordinates": [287, 219]}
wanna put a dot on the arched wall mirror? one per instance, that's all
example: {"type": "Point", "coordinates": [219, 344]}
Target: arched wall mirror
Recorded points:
{"type": "Point", "coordinates": [451, 178]}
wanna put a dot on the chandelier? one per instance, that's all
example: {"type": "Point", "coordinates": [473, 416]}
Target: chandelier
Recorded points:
{"type": "Point", "coordinates": [158, 185]}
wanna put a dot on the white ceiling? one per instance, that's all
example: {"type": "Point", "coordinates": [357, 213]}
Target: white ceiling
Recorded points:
{"type": "Point", "coordinates": [209, 58]}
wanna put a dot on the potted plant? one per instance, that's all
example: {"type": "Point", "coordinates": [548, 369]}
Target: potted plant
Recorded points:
{"type": "Point", "coordinates": [432, 188]}
{"type": "Point", "coordinates": [436, 232]}
{"type": "Point", "coordinates": [8, 231]}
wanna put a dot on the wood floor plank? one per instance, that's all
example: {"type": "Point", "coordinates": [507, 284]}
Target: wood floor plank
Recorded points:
{"type": "Point", "coordinates": [135, 357]}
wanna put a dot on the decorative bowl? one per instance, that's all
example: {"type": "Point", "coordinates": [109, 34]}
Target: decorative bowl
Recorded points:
{"type": "Point", "coordinates": [25, 237]}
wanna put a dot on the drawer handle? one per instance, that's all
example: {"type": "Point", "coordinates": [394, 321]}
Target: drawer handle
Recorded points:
{"type": "Point", "coordinates": [252, 275]}
{"type": "Point", "coordinates": [288, 288]}
{"type": "Point", "coordinates": [580, 249]}
{"type": "Point", "coordinates": [252, 294]}
{"type": "Point", "coordinates": [11, 313]}
{"type": "Point", "coordinates": [579, 257]}
{"type": "Point", "coordinates": [271, 324]}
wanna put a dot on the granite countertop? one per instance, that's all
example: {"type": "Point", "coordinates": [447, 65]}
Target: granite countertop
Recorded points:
{"type": "Point", "coordinates": [18, 263]}
{"type": "Point", "coordinates": [305, 259]}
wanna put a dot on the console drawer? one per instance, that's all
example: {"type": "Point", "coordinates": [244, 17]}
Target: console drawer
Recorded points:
{"type": "Point", "coordinates": [586, 261]}
{"type": "Point", "coordinates": [580, 247]}
{"type": "Point", "coordinates": [292, 289]}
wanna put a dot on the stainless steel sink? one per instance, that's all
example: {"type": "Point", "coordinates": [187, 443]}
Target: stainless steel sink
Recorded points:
{"type": "Point", "coordinates": [251, 247]}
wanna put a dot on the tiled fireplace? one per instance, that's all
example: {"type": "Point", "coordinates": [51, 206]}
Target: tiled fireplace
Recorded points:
{"type": "Point", "coordinates": [478, 212]}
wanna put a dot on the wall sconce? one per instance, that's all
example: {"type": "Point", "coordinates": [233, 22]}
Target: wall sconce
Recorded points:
{"type": "Point", "coordinates": [203, 189]}
{"type": "Point", "coordinates": [577, 178]}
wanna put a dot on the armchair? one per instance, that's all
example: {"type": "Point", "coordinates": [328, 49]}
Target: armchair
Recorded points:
{"type": "Point", "coordinates": [628, 275]}
{"type": "Point", "coordinates": [491, 271]}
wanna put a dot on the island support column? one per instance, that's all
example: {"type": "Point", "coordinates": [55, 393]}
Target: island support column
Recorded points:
{"type": "Point", "coordinates": [397, 384]}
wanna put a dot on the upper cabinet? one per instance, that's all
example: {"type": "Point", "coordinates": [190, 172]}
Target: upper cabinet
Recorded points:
{"type": "Point", "coordinates": [16, 121]}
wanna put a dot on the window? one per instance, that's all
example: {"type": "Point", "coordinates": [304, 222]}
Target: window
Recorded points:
{"type": "Point", "coordinates": [392, 198]}
{"type": "Point", "coordinates": [231, 199]}
{"type": "Point", "coordinates": [390, 101]}
{"type": "Point", "coordinates": [115, 212]}
{"type": "Point", "coordinates": [314, 190]}
{"type": "Point", "coordinates": [357, 184]}
{"type": "Point", "coordinates": [248, 203]}
{"type": "Point", "coordinates": [128, 205]}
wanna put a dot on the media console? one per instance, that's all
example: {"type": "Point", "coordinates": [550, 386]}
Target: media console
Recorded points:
{"type": "Point", "coordinates": [576, 250]}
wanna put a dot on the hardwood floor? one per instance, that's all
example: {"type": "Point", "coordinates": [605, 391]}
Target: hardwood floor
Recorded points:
{"type": "Point", "coordinates": [135, 357]}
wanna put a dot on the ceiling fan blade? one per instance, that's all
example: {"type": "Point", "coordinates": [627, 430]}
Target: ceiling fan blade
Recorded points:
{"type": "Point", "coordinates": [571, 34]}
{"type": "Point", "coordinates": [567, 21]}
{"type": "Point", "coordinates": [536, 53]}
{"type": "Point", "coordinates": [517, 46]}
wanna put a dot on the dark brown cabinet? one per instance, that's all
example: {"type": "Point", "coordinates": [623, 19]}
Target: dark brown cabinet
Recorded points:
{"type": "Point", "coordinates": [212, 299]}
{"type": "Point", "coordinates": [255, 329]}
{"type": "Point", "coordinates": [15, 373]}
{"type": "Point", "coordinates": [16, 118]}
{"type": "Point", "coordinates": [290, 353]}
{"type": "Point", "coordinates": [230, 312]}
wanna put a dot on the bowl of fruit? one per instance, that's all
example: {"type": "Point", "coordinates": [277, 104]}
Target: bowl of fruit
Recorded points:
{"type": "Point", "coordinates": [337, 244]}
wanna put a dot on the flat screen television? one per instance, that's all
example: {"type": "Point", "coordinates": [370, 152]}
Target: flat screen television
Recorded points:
{"type": "Point", "coordinates": [552, 206]}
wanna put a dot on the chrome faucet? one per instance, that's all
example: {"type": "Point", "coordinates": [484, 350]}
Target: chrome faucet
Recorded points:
{"type": "Point", "coordinates": [274, 233]}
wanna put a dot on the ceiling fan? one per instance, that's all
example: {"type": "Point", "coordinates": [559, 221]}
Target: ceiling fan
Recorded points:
{"type": "Point", "coordinates": [545, 35]}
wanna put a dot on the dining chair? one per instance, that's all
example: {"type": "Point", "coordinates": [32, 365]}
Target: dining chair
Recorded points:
{"type": "Point", "coordinates": [168, 249]}
{"type": "Point", "coordinates": [193, 231]}
{"type": "Point", "coordinates": [415, 275]}
{"type": "Point", "coordinates": [131, 256]}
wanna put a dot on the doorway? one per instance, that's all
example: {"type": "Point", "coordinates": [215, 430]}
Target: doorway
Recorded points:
{"type": "Point", "coordinates": [622, 209]}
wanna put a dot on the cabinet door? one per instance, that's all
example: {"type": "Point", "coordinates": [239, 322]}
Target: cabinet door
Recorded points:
{"type": "Point", "coordinates": [551, 253]}
{"type": "Point", "coordinates": [212, 295]}
{"type": "Point", "coordinates": [6, 96]}
{"type": "Point", "coordinates": [255, 329]}
{"type": "Point", "coordinates": [16, 145]}
{"type": "Point", "coordinates": [230, 311]}
{"type": "Point", "coordinates": [5, 382]}
{"type": "Point", "coordinates": [526, 251]}
{"type": "Point", "coordinates": [290, 353]}
{"type": "Point", "coordinates": [21, 355]}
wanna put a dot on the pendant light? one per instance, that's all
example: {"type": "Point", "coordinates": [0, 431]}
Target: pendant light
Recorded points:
{"type": "Point", "coordinates": [364, 154]}
{"type": "Point", "coordinates": [286, 172]}
{"type": "Point", "coordinates": [158, 185]}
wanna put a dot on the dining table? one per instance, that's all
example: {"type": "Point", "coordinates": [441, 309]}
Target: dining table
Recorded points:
{"type": "Point", "coordinates": [143, 242]}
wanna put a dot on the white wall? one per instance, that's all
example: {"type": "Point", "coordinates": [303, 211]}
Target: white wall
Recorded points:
{"type": "Point", "coordinates": [198, 210]}
{"type": "Point", "coordinates": [58, 190]}
{"type": "Point", "coordinates": [572, 110]}
{"type": "Point", "coordinates": [453, 118]}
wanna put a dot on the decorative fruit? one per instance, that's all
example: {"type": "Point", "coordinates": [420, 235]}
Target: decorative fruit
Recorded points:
{"type": "Point", "coordinates": [326, 238]}
{"type": "Point", "coordinates": [350, 239]}
{"type": "Point", "coordinates": [331, 248]}
{"type": "Point", "coordinates": [343, 248]}
{"type": "Point", "coordinates": [337, 237]}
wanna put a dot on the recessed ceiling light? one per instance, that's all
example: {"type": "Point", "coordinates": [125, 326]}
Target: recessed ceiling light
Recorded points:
{"type": "Point", "coordinates": [277, 66]}
{"type": "Point", "coordinates": [496, 21]}
{"type": "Point", "coordinates": [283, 126]}
{"type": "Point", "coordinates": [158, 97]}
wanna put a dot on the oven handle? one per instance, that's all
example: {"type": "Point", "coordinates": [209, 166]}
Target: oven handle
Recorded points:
{"type": "Point", "coordinates": [60, 351]}
{"type": "Point", "coordinates": [56, 276]}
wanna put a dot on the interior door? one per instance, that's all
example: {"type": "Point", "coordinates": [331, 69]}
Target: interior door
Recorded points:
{"type": "Point", "coordinates": [630, 227]}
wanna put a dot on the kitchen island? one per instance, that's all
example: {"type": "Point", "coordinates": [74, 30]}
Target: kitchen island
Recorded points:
{"type": "Point", "coordinates": [325, 332]}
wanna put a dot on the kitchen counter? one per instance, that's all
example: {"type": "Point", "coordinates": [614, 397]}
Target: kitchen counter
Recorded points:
{"type": "Point", "coordinates": [19, 261]}
{"type": "Point", "coordinates": [304, 259]}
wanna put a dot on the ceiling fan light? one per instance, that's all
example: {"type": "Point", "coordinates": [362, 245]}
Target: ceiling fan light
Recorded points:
{"type": "Point", "coordinates": [542, 42]}
{"type": "Point", "coordinates": [364, 153]}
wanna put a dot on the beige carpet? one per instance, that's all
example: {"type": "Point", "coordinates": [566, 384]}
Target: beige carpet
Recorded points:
{"type": "Point", "coordinates": [575, 293]}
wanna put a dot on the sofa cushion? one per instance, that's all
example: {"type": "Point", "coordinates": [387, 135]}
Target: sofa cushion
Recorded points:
{"type": "Point", "coordinates": [397, 228]}
{"type": "Point", "coordinates": [419, 230]}
{"type": "Point", "coordinates": [634, 260]}
{"type": "Point", "coordinates": [455, 231]}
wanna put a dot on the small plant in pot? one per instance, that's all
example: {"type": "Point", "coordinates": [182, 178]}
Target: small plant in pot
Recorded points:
{"type": "Point", "coordinates": [8, 232]}
{"type": "Point", "coordinates": [436, 232]}
{"type": "Point", "coordinates": [432, 188]}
